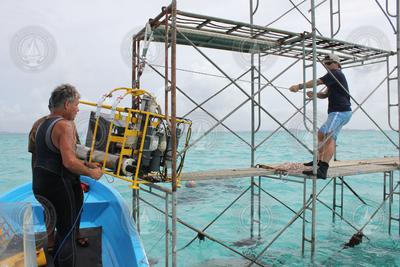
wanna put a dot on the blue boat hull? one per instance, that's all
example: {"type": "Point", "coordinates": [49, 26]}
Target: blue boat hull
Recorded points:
{"type": "Point", "coordinates": [103, 206]}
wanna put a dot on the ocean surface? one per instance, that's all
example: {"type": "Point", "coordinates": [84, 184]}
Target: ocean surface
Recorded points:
{"type": "Point", "coordinates": [198, 206]}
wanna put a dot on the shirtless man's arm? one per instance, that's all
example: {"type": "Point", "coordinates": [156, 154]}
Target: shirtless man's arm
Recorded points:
{"type": "Point", "coordinates": [63, 137]}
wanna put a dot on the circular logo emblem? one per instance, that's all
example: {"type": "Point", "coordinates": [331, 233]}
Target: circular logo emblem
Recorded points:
{"type": "Point", "coordinates": [244, 219]}
{"type": "Point", "coordinates": [243, 56]}
{"type": "Point", "coordinates": [201, 124]}
{"type": "Point", "coordinates": [369, 36]}
{"type": "Point", "coordinates": [33, 49]}
{"type": "Point", "coordinates": [363, 213]}
{"type": "Point", "coordinates": [24, 223]}
{"type": "Point", "coordinates": [302, 129]}
{"type": "Point", "coordinates": [151, 220]}
{"type": "Point", "coordinates": [84, 123]}
{"type": "Point", "coordinates": [154, 53]}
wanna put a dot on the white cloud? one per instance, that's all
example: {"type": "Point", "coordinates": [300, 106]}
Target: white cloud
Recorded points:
{"type": "Point", "coordinates": [89, 34]}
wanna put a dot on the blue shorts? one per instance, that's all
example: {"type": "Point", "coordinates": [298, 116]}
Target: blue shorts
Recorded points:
{"type": "Point", "coordinates": [334, 123]}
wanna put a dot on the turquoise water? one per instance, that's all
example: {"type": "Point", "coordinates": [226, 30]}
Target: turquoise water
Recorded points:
{"type": "Point", "coordinates": [198, 206]}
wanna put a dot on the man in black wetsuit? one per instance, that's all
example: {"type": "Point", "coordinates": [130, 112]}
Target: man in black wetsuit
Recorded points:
{"type": "Point", "coordinates": [339, 111]}
{"type": "Point", "coordinates": [57, 169]}
{"type": "Point", "coordinates": [48, 208]}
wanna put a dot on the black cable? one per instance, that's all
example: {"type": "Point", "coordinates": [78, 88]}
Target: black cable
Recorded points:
{"type": "Point", "coordinates": [188, 136]}
{"type": "Point", "coordinates": [72, 227]}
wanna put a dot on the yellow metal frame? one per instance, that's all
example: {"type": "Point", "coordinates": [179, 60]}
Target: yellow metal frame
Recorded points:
{"type": "Point", "coordinates": [129, 114]}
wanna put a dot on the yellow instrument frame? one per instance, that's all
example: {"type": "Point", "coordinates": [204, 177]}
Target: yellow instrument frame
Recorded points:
{"type": "Point", "coordinates": [119, 113]}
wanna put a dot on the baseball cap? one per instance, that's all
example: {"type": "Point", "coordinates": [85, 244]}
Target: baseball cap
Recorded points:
{"type": "Point", "coordinates": [332, 57]}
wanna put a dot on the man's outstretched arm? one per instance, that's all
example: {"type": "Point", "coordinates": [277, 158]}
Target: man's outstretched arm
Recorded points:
{"type": "Point", "coordinates": [309, 84]}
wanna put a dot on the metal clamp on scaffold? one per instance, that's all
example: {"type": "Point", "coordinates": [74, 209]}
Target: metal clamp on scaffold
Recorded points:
{"type": "Point", "coordinates": [132, 144]}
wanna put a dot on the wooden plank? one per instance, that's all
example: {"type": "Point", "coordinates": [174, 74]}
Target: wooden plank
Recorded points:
{"type": "Point", "coordinates": [386, 160]}
{"type": "Point", "coordinates": [337, 168]}
{"type": "Point", "coordinates": [225, 173]}
{"type": "Point", "coordinates": [362, 169]}
{"type": "Point", "coordinates": [341, 168]}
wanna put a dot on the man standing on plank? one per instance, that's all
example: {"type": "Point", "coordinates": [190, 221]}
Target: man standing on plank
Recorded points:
{"type": "Point", "coordinates": [339, 111]}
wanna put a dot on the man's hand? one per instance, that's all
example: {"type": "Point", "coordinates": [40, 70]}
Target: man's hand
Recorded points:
{"type": "Point", "coordinates": [93, 165]}
{"type": "Point", "coordinates": [96, 173]}
{"type": "Point", "coordinates": [310, 94]}
{"type": "Point", "coordinates": [294, 88]}
{"type": "Point", "coordinates": [95, 169]}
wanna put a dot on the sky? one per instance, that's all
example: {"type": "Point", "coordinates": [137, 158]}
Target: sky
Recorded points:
{"type": "Point", "coordinates": [45, 43]}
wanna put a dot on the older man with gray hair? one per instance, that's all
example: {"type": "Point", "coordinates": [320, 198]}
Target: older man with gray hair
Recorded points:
{"type": "Point", "coordinates": [56, 169]}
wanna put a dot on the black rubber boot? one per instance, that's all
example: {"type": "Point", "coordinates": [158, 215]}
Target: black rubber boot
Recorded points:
{"type": "Point", "coordinates": [309, 164]}
{"type": "Point", "coordinates": [321, 172]}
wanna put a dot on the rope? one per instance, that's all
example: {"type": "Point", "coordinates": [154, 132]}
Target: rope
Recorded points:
{"type": "Point", "coordinates": [156, 243]}
{"type": "Point", "coordinates": [201, 237]}
{"type": "Point", "coordinates": [357, 237]}
{"type": "Point", "coordinates": [215, 75]}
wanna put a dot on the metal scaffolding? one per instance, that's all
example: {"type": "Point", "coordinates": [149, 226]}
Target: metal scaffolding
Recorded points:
{"type": "Point", "coordinates": [174, 27]}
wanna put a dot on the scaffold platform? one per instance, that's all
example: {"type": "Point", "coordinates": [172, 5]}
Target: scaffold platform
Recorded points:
{"type": "Point", "coordinates": [175, 28]}
{"type": "Point", "coordinates": [229, 35]}
{"type": "Point", "coordinates": [336, 169]}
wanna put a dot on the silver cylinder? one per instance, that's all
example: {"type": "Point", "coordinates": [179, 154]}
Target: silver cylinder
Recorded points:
{"type": "Point", "coordinates": [82, 152]}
